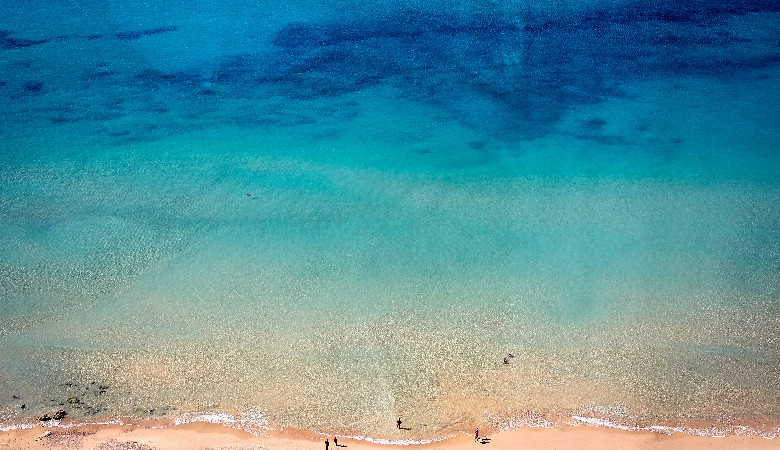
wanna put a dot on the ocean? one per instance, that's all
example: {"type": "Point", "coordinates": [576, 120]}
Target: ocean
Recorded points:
{"type": "Point", "coordinates": [329, 215]}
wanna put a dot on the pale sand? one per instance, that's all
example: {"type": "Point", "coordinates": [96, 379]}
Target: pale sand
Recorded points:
{"type": "Point", "coordinates": [209, 436]}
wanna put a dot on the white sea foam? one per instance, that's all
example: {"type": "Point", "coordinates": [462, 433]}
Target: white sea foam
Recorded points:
{"type": "Point", "coordinates": [22, 426]}
{"type": "Point", "coordinates": [605, 423]}
{"type": "Point", "coordinates": [662, 429]}
{"type": "Point", "coordinates": [55, 424]}
{"type": "Point", "coordinates": [206, 417]}
{"type": "Point", "coordinates": [252, 421]}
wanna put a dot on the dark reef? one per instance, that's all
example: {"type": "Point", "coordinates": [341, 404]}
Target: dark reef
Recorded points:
{"type": "Point", "coordinates": [509, 77]}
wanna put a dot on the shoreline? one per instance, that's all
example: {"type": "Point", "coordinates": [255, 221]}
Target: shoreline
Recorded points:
{"type": "Point", "coordinates": [204, 435]}
{"type": "Point", "coordinates": [221, 431]}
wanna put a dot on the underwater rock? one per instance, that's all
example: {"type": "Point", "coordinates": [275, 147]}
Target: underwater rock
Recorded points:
{"type": "Point", "coordinates": [59, 415]}
{"type": "Point", "coordinates": [43, 418]}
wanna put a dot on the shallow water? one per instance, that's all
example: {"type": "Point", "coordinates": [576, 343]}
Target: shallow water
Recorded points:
{"type": "Point", "coordinates": [333, 215]}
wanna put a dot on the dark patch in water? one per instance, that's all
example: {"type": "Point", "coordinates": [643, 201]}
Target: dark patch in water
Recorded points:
{"type": "Point", "coordinates": [694, 12]}
{"type": "Point", "coordinates": [605, 139]}
{"type": "Point", "coordinates": [503, 79]}
{"type": "Point", "coordinates": [718, 67]}
{"type": "Point", "coordinates": [102, 73]}
{"type": "Point", "coordinates": [60, 119]}
{"type": "Point", "coordinates": [24, 64]}
{"type": "Point", "coordinates": [594, 124]}
{"type": "Point", "coordinates": [137, 34]}
{"type": "Point", "coordinates": [509, 78]}
{"type": "Point", "coordinates": [297, 35]}
{"type": "Point", "coordinates": [10, 43]}
{"type": "Point", "coordinates": [114, 105]}
{"type": "Point", "coordinates": [33, 87]}
{"type": "Point", "coordinates": [327, 135]}
{"type": "Point", "coordinates": [477, 145]}
{"type": "Point", "coordinates": [154, 79]}
{"type": "Point", "coordinates": [138, 135]}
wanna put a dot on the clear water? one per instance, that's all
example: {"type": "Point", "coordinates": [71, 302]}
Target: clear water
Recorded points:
{"type": "Point", "coordinates": [591, 186]}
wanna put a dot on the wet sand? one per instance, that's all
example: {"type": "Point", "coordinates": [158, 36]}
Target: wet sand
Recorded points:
{"type": "Point", "coordinates": [212, 436]}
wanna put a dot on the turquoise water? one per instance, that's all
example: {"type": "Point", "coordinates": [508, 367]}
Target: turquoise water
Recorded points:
{"type": "Point", "coordinates": [330, 215]}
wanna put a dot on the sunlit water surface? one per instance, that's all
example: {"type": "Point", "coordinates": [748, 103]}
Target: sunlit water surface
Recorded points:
{"type": "Point", "coordinates": [329, 214]}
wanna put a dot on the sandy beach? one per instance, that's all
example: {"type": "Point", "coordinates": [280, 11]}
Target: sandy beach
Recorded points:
{"type": "Point", "coordinates": [211, 436]}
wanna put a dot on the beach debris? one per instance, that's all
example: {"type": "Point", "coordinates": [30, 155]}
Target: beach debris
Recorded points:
{"type": "Point", "coordinates": [44, 435]}
{"type": "Point", "coordinates": [69, 439]}
{"type": "Point", "coordinates": [122, 445]}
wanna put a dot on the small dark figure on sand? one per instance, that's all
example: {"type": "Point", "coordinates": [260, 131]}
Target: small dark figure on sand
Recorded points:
{"type": "Point", "coordinates": [327, 443]}
{"type": "Point", "coordinates": [336, 441]}
{"type": "Point", "coordinates": [399, 423]}
{"type": "Point", "coordinates": [510, 355]}
{"type": "Point", "coordinates": [476, 435]}
{"type": "Point", "coordinates": [506, 361]}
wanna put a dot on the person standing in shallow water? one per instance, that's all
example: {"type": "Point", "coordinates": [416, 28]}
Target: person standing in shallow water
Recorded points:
{"type": "Point", "coordinates": [399, 423]}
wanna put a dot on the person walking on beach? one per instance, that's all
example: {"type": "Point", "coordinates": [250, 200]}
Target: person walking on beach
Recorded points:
{"type": "Point", "coordinates": [336, 441]}
{"type": "Point", "coordinates": [399, 423]}
{"type": "Point", "coordinates": [327, 443]}
{"type": "Point", "coordinates": [476, 435]}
